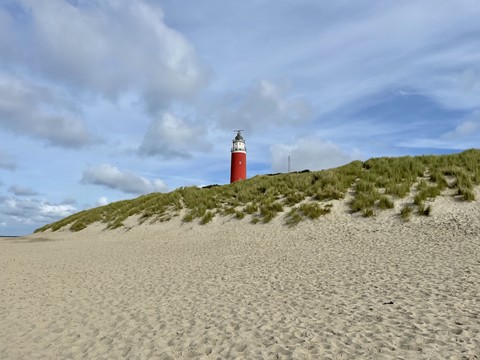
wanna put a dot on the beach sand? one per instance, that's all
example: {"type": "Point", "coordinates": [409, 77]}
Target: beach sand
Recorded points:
{"type": "Point", "coordinates": [341, 287]}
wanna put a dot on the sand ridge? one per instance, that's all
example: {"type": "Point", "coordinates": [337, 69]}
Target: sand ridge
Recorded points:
{"type": "Point", "coordinates": [341, 287]}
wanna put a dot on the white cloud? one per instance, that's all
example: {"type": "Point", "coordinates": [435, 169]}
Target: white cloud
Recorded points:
{"type": "Point", "coordinates": [338, 54]}
{"type": "Point", "coordinates": [309, 153]}
{"type": "Point", "coordinates": [18, 190]}
{"type": "Point", "coordinates": [467, 129]}
{"type": "Point", "coordinates": [36, 111]}
{"type": "Point", "coordinates": [102, 201]}
{"type": "Point", "coordinates": [56, 211]}
{"type": "Point", "coordinates": [263, 104]}
{"type": "Point", "coordinates": [172, 137]}
{"type": "Point", "coordinates": [107, 47]}
{"type": "Point", "coordinates": [125, 181]}
{"type": "Point", "coordinates": [31, 211]}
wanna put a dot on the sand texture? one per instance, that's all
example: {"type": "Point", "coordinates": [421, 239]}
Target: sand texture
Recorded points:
{"type": "Point", "coordinates": [342, 287]}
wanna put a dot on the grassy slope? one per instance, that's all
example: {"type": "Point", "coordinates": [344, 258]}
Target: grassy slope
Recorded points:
{"type": "Point", "coordinates": [376, 184]}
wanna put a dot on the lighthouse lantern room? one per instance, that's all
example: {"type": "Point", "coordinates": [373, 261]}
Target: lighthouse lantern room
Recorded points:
{"type": "Point", "coordinates": [238, 169]}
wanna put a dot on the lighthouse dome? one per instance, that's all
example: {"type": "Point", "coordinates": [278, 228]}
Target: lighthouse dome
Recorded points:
{"type": "Point", "coordinates": [238, 137]}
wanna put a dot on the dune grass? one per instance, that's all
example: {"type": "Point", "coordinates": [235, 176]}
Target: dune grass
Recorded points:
{"type": "Point", "coordinates": [375, 185]}
{"type": "Point", "coordinates": [406, 211]}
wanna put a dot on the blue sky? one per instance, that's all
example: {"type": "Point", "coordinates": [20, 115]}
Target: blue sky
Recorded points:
{"type": "Point", "coordinates": [107, 100]}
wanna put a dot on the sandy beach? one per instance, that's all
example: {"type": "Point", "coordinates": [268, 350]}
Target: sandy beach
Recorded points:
{"type": "Point", "coordinates": [341, 287]}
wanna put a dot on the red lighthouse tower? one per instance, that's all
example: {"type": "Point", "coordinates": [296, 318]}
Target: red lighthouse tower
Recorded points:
{"type": "Point", "coordinates": [238, 169]}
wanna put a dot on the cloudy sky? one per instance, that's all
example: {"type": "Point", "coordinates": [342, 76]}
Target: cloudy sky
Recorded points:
{"type": "Point", "coordinates": [103, 100]}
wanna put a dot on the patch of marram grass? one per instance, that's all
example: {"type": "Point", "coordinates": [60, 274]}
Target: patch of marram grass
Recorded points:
{"type": "Point", "coordinates": [207, 217]}
{"type": "Point", "coordinates": [418, 199]}
{"type": "Point", "coordinates": [376, 184]}
{"type": "Point", "coordinates": [437, 177]}
{"type": "Point", "coordinates": [368, 212]}
{"type": "Point", "coordinates": [311, 210]}
{"type": "Point", "coordinates": [385, 203]}
{"type": "Point", "coordinates": [329, 192]}
{"type": "Point", "coordinates": [77, 226]}
{"type": "Point", "coordinates": [239, 214]}
{"type": "Point", "coordinates": [229, 210]}
{"type": "Point", "coordinates": [424, 210]}
{"type": "Point", "coordinates": [189, 216]}
{"type": "Point", "coordinates": [399, 190]}
{"type": "Point", "coordinates": [364, 200]}
{"type": "Point", "coordinates": [116, 224]}
{"type": "Point", "coordinates": [294, 198]}
{"type": "Point", "coordinates": [365, 187]}
{"type": "Point", "coordinates": [405, 212]}
{"type": "Point", "coordinates": [269, 211]}
{"type": "Point", "coordinates": [251, 209]}
{"type": "Point", "coordinates": [467, 194]}
{"type": "Point", "coordinates": [293, 217]}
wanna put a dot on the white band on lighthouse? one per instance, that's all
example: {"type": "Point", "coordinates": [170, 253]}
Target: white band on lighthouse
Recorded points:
{"type": "Point", "coordinates": [239, 146]}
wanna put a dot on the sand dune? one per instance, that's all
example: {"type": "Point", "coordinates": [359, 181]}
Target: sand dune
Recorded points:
{"type": "Point", "coordinates": [342, 287]}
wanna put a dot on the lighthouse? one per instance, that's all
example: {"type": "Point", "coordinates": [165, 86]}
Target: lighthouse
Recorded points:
{"type": "Point", "coordinates": [238, 168]}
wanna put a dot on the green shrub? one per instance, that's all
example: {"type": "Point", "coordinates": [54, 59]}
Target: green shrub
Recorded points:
{"type": "Point", "coordinates": [385, 203]}
{"type": "Point", "coordinates": [329, 192]}
{"type": "Point", "coordinates": [188, 217]}
{"type": "Point", "coordinates": [207, 217]}
{"type": "Point", "coordinates": [269, 211]}
{"type": "Point", "coordinates": [239, 215]}
{"type": "Point", "coordinates": [294, 198]}
{"type": "Point", "coordinates": [463, 179]}
{"type": "Point", "coordinates": [268, 216]}
{"type": "Point", "coordinates": [364, 186]}
{"type": "Point", "coordinates": [433, 191]}
{"type": "Point", "coordinates": [363, 201]}
{"type": "Point", "coordinates": [313, 210]}
{"type": "Point", "coordinates": [276, 207]}
{"type": "Point", "coordinates": [437, 177]}
{"type": "Point", "coordinates": [251, 208]}
{"type": "Point", "coordinates": [77, 226]}
{"type": "Point", "coordinates": [468, 195]}
{"type": "Point", "coordinates": [293, 217]}
{"type": "Point", "coordinates": [115, 225]}
{"type": "Point", "coordinates": [400, 190]}
{"type": "Point", "coordinates": [418, 199]}
{"type": "Point", "coordinates": [422, 186]}
{"type": "Point", "coordinates": [405, 212]}
{"type": "Point", "coordinates": [424, 210]}
{"type": "Point", "coordinates": [229, 210]}
{"type": "Point", "coordinates": [164, 218]}
{"type": "Point", "coordinates": [368, 212]}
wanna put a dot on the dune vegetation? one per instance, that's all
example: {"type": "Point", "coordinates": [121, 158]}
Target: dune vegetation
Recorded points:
{"type": "Point", "coordinates": [373, 186]}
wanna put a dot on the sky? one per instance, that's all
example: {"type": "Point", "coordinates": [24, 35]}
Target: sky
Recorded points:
{"type": "Point", "coordinates": [104, 100]}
